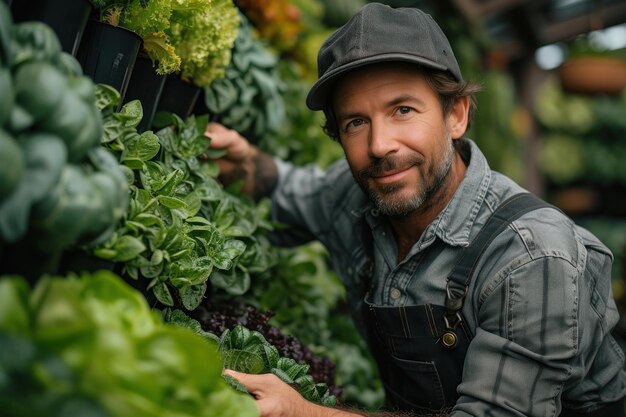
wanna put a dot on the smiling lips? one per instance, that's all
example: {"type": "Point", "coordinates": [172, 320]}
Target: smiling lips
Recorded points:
{"type": "Point", "coordinates": [390, 177]}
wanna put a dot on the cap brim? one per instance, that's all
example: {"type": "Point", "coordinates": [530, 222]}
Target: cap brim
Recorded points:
{"type": "Point", "coordinates": [319, 93]}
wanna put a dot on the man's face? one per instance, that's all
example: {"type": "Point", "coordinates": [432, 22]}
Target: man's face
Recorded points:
{"type": "Point", "coordinates": [394, 135]}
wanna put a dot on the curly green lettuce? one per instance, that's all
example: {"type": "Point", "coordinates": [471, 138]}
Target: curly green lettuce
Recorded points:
{"type": "Point", "coordinates": [149, 19]}
{"type": "Point", "coordinates": [203, 33]}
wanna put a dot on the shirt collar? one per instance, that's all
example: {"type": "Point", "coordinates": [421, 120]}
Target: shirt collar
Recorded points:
{"type": "Point", "coordinates": [454, 224]}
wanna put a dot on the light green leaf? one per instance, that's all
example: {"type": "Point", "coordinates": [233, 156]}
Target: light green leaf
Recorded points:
{"type": "Point", "coordinates": [142, 147]}
{"type": "Point", "coordinates": [128, 247]}
{"type": "Point", "coordinates": [171, 202]}
{"type": "Point", "coordinates": [131, 113]}
{"type": "Point", "coordinates": [233, 248]}
{"type": "Point", "coordinates": [106, 96]}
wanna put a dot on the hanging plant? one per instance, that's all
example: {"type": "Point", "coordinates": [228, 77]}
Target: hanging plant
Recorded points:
{"type": "Point", "coordinates": [203, 33]}
{"type": "Point", "coordinates": [592, 70]}
{"type": "Point", "coordinates": [149, 19]}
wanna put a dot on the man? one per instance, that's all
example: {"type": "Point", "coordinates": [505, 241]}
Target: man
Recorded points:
{"type": "Point", "coordinates": [466, 313]}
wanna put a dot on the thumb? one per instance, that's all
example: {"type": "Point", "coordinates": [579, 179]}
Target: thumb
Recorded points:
{"type": "Point", "coordinates": [252, 382]}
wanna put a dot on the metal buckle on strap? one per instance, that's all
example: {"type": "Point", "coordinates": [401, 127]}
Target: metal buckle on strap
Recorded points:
{"type": "Point", "coordinates": [452, 318]}
{"type": "Point", "coordinates": [455, 297]}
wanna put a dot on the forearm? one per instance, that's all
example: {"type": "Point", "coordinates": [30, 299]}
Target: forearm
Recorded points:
{"type": "Point", "coordinates": [258, 173]}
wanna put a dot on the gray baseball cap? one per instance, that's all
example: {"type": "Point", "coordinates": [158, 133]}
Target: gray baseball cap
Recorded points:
{"type": "Point", "coordinates": [379, 33]}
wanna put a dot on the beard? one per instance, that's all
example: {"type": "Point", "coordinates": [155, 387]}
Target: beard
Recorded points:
{"type": "Point", "coordinates": [388, 199]}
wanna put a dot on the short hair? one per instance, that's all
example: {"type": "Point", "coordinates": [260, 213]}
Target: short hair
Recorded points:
{"type": "Point", "coordinates": [447, 88]}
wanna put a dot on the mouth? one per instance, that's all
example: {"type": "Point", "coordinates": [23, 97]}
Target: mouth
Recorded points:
{"type": "Point", "coordinates": [390, 177]}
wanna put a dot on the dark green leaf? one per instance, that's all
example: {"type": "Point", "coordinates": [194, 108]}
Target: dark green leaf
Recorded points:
{"type": "Point", "coordinates": [192, 295]}
{"type": "Point", "coordinates": [162, 293]}
{"type": "Point", "coordinates": [243, 361]}
{"type": "Point", "coordinates": [236, 281]}
{"type": "Point", "coordinates": [284, 376]}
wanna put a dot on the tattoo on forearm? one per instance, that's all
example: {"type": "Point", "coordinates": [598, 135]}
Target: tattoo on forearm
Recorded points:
{"type": "Point", "coordinates": [265, 175]}
{"type": "Point", "coordinates": [237, 174]}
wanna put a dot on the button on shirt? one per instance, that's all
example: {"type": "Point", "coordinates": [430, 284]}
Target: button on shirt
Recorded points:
{"type": "Point", "coordinates": [540, 307]}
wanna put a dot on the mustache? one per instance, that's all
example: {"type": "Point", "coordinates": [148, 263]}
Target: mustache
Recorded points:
{"type": "Point", "coordinates": [389, 163]}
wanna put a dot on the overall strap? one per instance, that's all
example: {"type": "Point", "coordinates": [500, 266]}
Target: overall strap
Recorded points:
{"type": "Point", "coordinates": [462, 273]}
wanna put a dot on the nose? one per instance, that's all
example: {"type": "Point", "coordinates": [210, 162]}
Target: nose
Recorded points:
{"type": "Point", "coordinates": [381, 140]}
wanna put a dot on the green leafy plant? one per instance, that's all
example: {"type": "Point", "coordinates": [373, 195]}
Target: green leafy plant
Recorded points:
{"type": "Point", "coordinates": [58, 187]}
{"type": "Point", "coordinates": [300, 139]}
{"type": "Point", "coordinates": [183, 230]}
{"type": "Point", "coordinates": [247, 351]}
{"type": "Point", "coordinates": [149, 19]}
{"type": "Point", "coordinates": [203, 33]}
{"type": "Point", "coordinates": [307, 302]}
{"type": "Point", "coordinates": [588, 45]}
{"type": "Point", "coordinates": [249, 97]}
{"type": "Point", "coordinates": [190, 37]}
{"type": "Point", "coordinates": [90, 345]}
{"type": "Point", "coordinates": [277, 21]}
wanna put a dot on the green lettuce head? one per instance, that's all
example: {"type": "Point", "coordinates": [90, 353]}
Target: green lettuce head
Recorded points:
{"type": "Point", "coordinates": [96, 339]}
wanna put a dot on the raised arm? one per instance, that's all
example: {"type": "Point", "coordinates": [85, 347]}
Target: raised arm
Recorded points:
{"type": "Point", "coordinates": [243, 161]}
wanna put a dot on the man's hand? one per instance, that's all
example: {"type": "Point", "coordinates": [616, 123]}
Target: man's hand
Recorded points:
{"type": "Point", "coordinates": [277, 399]}
{"type": "Point", "coordinates": [238, 150]}
{"type": "Point", "coordinates": [242, 161]}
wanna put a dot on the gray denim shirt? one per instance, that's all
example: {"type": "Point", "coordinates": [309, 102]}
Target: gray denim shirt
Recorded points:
{"type": "Point", "coordinates": [540, 306]}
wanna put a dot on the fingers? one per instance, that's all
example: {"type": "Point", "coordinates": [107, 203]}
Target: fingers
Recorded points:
{"type": "Point", "coordinates": [274, 397]}
{"type": "Point", "coordinates": [263, 385]}
{"type": "Point", "coordinates": [255, 383]}
{"type": "Point", "coordinates": [221, 137]}
{"type": "Point", "coordinates": [237, 148]}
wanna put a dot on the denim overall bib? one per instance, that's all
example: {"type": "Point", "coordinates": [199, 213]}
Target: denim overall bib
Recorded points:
{"type": "Point", "coordinates": [420, 349]}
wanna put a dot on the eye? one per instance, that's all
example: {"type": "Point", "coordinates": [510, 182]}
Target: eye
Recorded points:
{"type": "Point", "coordinates": [402, 110]}
{"type": "Point", "coordinates": [354, 123]}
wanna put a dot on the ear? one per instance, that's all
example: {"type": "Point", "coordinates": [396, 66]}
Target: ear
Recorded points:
{"type": "Point", "coordinates": [458, 117]}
